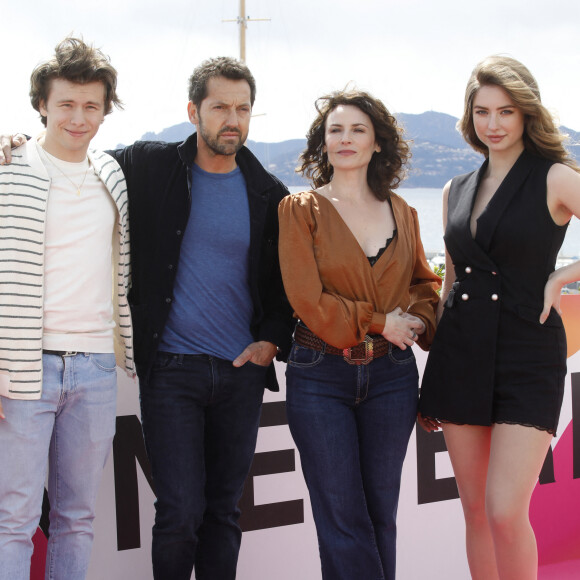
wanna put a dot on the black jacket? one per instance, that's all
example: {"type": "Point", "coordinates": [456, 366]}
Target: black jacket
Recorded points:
{"type": "Point", "coordinates": [158, 178]}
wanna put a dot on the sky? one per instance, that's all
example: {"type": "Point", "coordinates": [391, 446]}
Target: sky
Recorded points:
{"type": "Point", "coordinates": [415, 55]}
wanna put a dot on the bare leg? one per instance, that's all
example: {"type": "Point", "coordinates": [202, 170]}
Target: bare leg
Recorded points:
{"type": "Point", "coordinates": [469, 450]}
{"type": "Point", "coordinates": [516, 457]}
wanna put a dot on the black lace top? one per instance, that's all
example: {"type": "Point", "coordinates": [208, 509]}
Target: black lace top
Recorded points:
{"type": "Point", "coordinates": [373, 259]}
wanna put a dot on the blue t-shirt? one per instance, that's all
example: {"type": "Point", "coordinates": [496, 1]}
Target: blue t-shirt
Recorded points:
{"type": "Point", "coordinates": [212, 306]}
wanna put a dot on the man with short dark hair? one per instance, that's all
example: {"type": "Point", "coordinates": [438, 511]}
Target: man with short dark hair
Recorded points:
{"type": "Point", "coordinates": [210, 314]}
{"type": "Point", "coordinates": [64, 315]}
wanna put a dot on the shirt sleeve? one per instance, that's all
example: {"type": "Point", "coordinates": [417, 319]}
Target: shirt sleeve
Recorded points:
{"type": "Point", "coordinates": [333, 318]}
{"type": "Point", "coordinates": [423, 290]}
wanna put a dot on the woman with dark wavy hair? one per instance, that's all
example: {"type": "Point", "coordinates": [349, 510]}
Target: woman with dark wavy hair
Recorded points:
{"type": "Point", "coordinates": [356, 276]}
{"type": "Point", "coordinates": [495, 375]}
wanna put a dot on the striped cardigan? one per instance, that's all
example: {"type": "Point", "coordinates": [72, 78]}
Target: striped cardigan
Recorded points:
{"type": "Point", "coordinates": [24, 189]}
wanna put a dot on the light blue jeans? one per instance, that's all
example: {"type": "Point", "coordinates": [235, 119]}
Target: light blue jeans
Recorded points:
{"type": "Point", "coordinates": [72, 426]}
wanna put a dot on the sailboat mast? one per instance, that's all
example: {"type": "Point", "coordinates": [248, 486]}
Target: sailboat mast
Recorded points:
{"type": "Point", "coordinates": [243, 26]}
{"type": "Point", "coordinates": [242, 21]}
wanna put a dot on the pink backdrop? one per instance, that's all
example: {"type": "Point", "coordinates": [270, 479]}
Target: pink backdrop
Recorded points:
{"type": "Point", "coordinates": [430, 542]}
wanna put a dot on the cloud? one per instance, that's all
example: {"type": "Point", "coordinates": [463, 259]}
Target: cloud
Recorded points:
{"type": "Point", "coordinates": [415, 55]}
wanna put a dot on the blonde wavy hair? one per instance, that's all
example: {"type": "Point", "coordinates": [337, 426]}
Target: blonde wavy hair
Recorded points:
{"type": "Point", "coordinates": [541, 135]}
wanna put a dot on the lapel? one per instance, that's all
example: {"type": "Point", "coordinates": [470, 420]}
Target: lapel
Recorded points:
{"type": "Point", "coordinates": [490, 217]}
{"type": "Point", "coordinates": [462, 195]}
{"type": "Point", "coordinates": [458, 239]}
{"type": "Point", "coordinates": [258, 205]}
{"type": "Point", "coordinates": [112, 177]}
{"type": "Point", "coordinates": [461, 200]}
{"type": "Point", "coordinates": [33, 159]}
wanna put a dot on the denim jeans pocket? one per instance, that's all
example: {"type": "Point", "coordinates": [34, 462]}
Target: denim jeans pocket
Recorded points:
{"type": "Point", "coordinates": [303, 357]}
{"type": "Point", "coordinates": [163, 360]}
{"type": "Point", "coordinates": [399, 356]}
{"type": "Point", "coordinates": [257, 366]}
{"type": "Point", "coordinates": [103, 361]}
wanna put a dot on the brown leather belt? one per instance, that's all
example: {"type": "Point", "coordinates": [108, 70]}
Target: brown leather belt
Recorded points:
{"type": "Point", "coordinates": [361, 354]}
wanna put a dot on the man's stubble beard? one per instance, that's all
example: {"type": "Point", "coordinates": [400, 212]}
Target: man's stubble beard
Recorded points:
{"type": "Point", "coordinates": [213, 142]}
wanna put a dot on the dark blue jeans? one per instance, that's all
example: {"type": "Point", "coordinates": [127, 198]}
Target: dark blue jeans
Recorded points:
{"type": "Point", "coordinates": [351, 424]}
{"type": "Point", "coordinates": [200, 420]}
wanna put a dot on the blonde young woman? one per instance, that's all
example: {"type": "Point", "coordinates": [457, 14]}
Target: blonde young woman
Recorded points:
{"type": "Point", "coordinates": [356, 276]}
{"type": "Point", "coordinates": [495, 375]}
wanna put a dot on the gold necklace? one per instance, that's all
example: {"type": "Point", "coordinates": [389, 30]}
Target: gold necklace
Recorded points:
{"type": "Point", "coordinates": [77, 187]}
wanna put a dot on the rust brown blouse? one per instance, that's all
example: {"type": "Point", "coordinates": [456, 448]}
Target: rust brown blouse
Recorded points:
{"type": "Point", "coordinates": [331, 285]}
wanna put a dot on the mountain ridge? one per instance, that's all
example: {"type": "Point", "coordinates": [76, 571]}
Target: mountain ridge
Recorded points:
{"type": "Point", "coordinates": [438, 150]}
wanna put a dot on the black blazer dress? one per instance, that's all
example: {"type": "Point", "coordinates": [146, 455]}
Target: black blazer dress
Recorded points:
{"type": "Point", "coordinates": [491, 360]}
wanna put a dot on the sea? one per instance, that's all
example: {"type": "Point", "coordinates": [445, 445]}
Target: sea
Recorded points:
{"type": "Point", "coordinates": [427, 202]}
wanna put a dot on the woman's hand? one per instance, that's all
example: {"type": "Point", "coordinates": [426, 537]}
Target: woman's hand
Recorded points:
{"type": "Point", "coordinates": [428, 424]}
{"type": "Point", "coordinates": [402, 329]}
{"type": "Point", "coordinates": [552, 294]}
{"type": "Point", "coordinates": [418, 324]}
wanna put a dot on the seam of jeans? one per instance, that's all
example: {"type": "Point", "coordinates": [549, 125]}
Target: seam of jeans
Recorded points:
{"type": "Point", "coordinates": [358, 398]}
{"type": "Point", "coordinates": [99, 366]}
{"type": "Point", "coordinates": [305, 365]}
{"type": "Point", "coordinates": [316, 361]}
{"type": "Point", "coordinates": [55, 504]}
{"type": "Point", "coordinates": [406, 361]}
{"type": "Point", "coordinates": [213, 368]}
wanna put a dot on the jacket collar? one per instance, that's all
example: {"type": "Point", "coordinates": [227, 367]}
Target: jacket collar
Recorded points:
{"type": "Point", "coordinates": [462, 199]}
{"type": "Point", "coordinates": [490, 217]}
{"type": "Point", "coordinates": [257, 178]}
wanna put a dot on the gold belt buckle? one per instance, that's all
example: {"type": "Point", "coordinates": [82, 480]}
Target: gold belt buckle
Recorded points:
{"type": "Point", "coordinates": [347, 353]}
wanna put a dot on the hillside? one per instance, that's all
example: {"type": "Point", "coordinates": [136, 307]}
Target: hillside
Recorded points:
{"type": "Point", "coordinates": [439, 152]}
